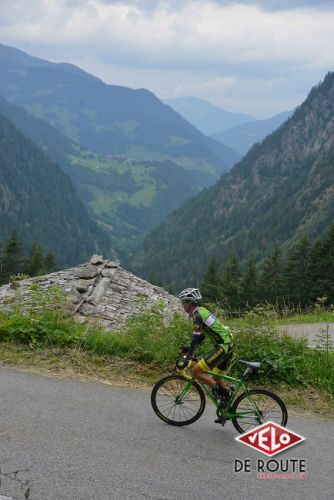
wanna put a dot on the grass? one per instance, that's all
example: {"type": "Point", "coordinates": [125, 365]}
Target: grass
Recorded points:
{"type": "Point", "coordinates": [315, 316]}
{"type": "Point", "coordinates": [38, 335]}
{"type": "Point", "coordinates": [175, 140]}
{"type": "Point", "coordinates": [277, 319]}
{"type": "Point", "coordinates": [143, 197]}
{"type": "Point", "coordinates": [105, 201]}
{"type": "Point", "coordinates": [75, 363]}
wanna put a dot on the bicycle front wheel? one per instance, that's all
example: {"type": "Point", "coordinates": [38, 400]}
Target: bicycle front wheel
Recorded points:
{"type": "Point", "coordinates": [173, 408]}
{"type": "Point", "coordinates": [264, 407]}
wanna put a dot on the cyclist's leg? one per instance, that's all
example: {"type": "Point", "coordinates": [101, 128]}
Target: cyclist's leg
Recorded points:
{"type": "Point", "coordinates": [208, 363]}
{"type": "Point", "coordinates": [198, 372]}
{"type": "Point", "coordinates": [219, 380]}
{"type": "Point", "coordinates": [222, 366]}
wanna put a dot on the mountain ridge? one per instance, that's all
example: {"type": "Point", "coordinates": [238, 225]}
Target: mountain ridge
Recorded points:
{"type": "Point", "coordinates": [242, 137]}
{"type": "Point", "coordinates": [207, 117]}
{"type": "Point", "coordinates": [126, 197]}
{"type": "Point", "coordinates": [104, 118]}
{"type": "Point", "coordinates": [282, 189]}
{"type": "Point", "coordinates": [39, 202]}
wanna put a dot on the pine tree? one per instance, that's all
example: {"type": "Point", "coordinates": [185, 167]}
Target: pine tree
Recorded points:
{"type": "Point", "coordinates": [11, 261]}
{"type": "Point", "coordinates": [329, 274]}
{"type": "Point", "coordinates": [249, 286]}
{"type": "Point", "coordinates": [50, 262]}
{"type": "Point", "coordinates": [318, 271]}
{"type": "Point", "coordinates": [155, 279]}
{"type": "Point", "coordinates": [297, 274]}
{"type": "Point", "coordinates": [271, 279]}
{"type": "Point", "coordinates": [231, 283]}
{"type": "Point", "coordinates": [211, 285]}
{"type": "Point", "coordinates": [36, 261]}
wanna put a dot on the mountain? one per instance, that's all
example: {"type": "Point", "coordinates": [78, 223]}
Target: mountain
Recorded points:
{"type": "Point", "coordinates": [242, 137]}
{"type": "Point", "coordinates": [235, 131]}
{"type": "Point", "coordinates": [132, 158]}
{"type": "Point", "coordinates": [280, 191]}
{"type": "Point", "coordinates": [107, 119]}
{"type": "Point", "coordinates": [208, 118]}
{"type": "Point", "coordinates": [127, 197]}
{"type": "Point", "coordinates": [46, 137]}
{"type": "Point", "coordinates": [37, 199]}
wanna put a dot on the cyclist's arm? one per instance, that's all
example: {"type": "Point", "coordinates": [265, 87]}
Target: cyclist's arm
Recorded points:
{"type": "Point", "coordinates": [197, 336]}
{"type": "Point", "coordinates": [195, 341]}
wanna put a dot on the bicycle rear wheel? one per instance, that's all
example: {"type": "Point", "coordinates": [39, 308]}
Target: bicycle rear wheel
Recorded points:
{"type": "Point", "coordinates": [270, 407]}
{"type": "Point", "coordinates": [168, 406]}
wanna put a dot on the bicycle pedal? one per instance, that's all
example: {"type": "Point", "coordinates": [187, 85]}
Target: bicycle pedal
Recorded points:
{"type": "Point", "coordinates": [220, 420]}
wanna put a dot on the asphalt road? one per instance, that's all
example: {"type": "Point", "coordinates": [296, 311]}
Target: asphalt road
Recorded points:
{"type": "Point", "coordinates": [84, 440]}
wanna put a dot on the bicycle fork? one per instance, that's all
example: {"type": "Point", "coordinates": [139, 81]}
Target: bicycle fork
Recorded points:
{"type": "Point", "coordinates": [178, 399]}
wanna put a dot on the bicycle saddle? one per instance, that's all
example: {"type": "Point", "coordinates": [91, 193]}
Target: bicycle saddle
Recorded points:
{"type": "Point", "coordinates": [255, 365]}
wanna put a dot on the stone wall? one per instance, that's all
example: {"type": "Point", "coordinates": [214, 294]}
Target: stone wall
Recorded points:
{"type": "Point", "coordinates": [98, 291]}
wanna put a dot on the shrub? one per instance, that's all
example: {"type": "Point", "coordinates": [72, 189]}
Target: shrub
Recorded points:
{"type": "Point", "coordinates": [148, 339]}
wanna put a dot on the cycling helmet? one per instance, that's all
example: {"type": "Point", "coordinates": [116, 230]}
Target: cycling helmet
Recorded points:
{"type": "Point", "coordinates": [191, 295]}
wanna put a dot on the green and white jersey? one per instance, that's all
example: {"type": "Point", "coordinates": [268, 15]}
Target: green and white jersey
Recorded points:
{"type": "Point", "coordinates": [206, 323]}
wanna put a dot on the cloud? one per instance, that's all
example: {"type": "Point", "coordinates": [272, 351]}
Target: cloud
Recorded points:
{"type": "Point", "coordinates": [218, 43]}
{"type": "Point", "coordinates": [264, 4]}
{"type": "Point", "coordinates": [196, 34]}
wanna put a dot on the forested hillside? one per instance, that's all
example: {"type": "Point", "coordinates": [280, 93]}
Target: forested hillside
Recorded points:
{"type": "Point", "coordinates": [128, 197]}
{"type": "Point", "coordinates": [38, 200]}
{"type": "Point", "coordinates": [132, 159]}
{"type": "Point", "coordinates": [282, 190]}
{"type": "Point", "coordinates": [302, 278]}
{"type": "Point", "coordinates": [105, 118]}
{"type": "Point", "coordinates": [46, 137]}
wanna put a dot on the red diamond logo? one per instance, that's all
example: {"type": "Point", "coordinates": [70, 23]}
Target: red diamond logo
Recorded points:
{"type": "Point", "coordinates": [270, 438]}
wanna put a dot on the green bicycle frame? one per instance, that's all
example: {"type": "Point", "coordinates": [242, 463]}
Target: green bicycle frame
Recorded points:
{"type": "Point", "coordinates": [226, 411]}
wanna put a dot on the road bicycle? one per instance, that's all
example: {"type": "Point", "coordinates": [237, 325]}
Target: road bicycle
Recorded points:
{"type": "Point", "coordinates": [178, 399]}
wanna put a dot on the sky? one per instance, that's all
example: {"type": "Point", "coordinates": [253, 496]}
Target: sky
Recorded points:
{"type": "Point", "coordinates": [259, 57]}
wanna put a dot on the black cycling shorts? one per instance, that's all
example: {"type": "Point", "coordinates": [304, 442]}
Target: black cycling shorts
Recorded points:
{"type": "Point", "coordinates": [217, 359]}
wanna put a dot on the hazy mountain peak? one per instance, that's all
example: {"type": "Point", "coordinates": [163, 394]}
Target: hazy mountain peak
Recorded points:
{"type": "Point", "coordinates": [207, 117]}
{"type": "Point", "coordinates": [242, 137]}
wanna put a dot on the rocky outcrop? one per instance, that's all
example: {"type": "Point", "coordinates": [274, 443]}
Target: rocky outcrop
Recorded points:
{"type": "Point", "coordinates": [99, 291]}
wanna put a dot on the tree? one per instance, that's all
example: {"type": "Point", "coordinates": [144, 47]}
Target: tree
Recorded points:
{"type": "Point", "coordinates": [36, 261]}
{"type": "Point", "coordinates": [211, 285]}
{"type": "Point", "coordinates": [50, 262]}
{"type": "Point", "coordinates": [11, 261]}
{"type": "Point", "coordinates": [231, 283]}
{"type": "Point", "coordinates": [329, 263]}
{"type": "Point", "coordinates": [322, 268]}
{"type": "Point", "coordinates": [249, 286]}
{"type": "Point", "coordinates": [271, 278]}
{"type": "Point", "coordinates": [155, 279]}
{"type": "Point", "coordinates": [297, 274]}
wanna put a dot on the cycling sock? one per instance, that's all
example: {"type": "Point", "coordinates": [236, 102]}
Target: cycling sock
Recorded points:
{"type": "Point", "coordinates": [224, 392]}
{"type": "Point", "coordinates": [216, 391]}
{"type": "Point", "coordinates": [220, 392]}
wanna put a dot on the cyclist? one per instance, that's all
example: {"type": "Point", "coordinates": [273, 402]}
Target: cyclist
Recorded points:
{"type": "Point", "coordinates": [205, 323]}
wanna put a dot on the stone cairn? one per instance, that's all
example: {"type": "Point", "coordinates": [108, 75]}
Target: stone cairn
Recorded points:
{"type": "Point", "coordinates": [99, 291]}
